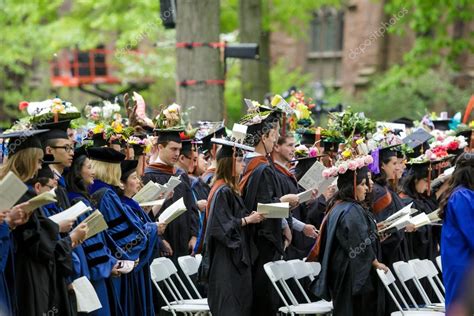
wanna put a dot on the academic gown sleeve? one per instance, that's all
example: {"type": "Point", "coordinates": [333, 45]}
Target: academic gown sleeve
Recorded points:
{"type": "Point", "coordinates": [128, 240]}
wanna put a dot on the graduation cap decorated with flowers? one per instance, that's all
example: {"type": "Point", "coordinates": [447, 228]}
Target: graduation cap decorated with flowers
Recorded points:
{"type": "Point", "coordinates": [383, 145]}
{"type": "Point", "coordinates": [208, 130]}
{"type": "Point", "coordinates": [233, 146]}
{"type": "Point", "coordinates": [169, 124]}
{"type": "Point", "coordinates": [425, 165]}
{"type": "Point", "coordinates": [51, 110]}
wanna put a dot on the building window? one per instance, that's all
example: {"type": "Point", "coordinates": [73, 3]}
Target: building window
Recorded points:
{"type": "Point", "coordinates": [325, 47]}
{"type": "Point", "coordinates": [327, 30]}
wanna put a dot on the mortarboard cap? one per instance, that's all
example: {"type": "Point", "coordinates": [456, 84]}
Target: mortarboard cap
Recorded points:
{"type": "Point", "coordinates": [389, 151]}
{"type": "Point", "coordinates": [19, 140]}
{"type": "Point", "coordinates": [227, 149]}
{"type": "Point", "coordinates": [418, 141]}
{"type": "Point", "coordinates": [128, 167]}
{"type": "Point", "coordinates": [57, 130]}
{"type": "Point", "coordinates": [165, 136]}
{"type": "Point", "coordinates": [442, 125]}
{"type": "Point", "coordinates": [105, 154]}
{"type": "Point", "coordinates": [404, 120]}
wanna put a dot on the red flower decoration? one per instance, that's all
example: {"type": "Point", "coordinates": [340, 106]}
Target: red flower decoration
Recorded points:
{"type": "Point", "coordinates": [453, 146]}
{"type": "Point", "coordinates": [23, 105]}
{"type": "Point", "coordinates": [183, 136]}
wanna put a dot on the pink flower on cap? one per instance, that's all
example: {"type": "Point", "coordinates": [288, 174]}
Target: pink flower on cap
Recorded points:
{"type": "Point", "coordinates": [352, 165]}
{"type": "Point", "coordinates": [327, 173]}
{"type": "Point", "coordinates": [368, 159]}
{"type": "Point", "coordinates": [342, 168]}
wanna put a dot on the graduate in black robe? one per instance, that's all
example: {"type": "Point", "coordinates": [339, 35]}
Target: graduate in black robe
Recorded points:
{"type": "Point", "coordinates": [42, 261]}
{"type": "Point", "coordinates": [227, 239]}
{"type": "Point", "coordinates": [259, 184]}
{"type": "Point", "coordinates": [350, 252]}
{"type": "Point", "coordinates": [421, 243]}
{"type": "Point", "coordinates": [385, 203]}
{"type": "Point", "coordinates": [182, 233]}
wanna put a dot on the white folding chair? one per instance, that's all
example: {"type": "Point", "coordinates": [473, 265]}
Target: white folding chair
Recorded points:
{"type": "Point", "coordinates": [389, 280]}
{"type": "Point", "coordinates": [160, 273]}
{"type": "Point", "coordinates": [168, 264]}
{"type": "Point", "coordinates": [405, 272]}
{"type": "Point", "coordinates": [190, 265]}
{"type": "Point", "coordinates": [422, 271]}
{"type": "Point", "coordinates": [438, 262]}
{"type": "Point", "coordinates": [300, 271]}
{"type": "Point", "coordinates": [435, 282]}
{"type": "Point", "coordinates": [277, 273]}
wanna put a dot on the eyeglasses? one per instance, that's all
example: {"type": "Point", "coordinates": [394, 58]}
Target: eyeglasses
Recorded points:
{"type": "Point", "coordinates": [67, 148]}
{"type": "Point", "coordinates": [49, 186]}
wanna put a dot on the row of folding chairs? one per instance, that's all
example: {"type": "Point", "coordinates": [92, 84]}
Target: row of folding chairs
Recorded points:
{"type": "Point", "coordinates": [281, 272]}
{"type": "Point", "coordinates": [164, 272]}
{"type": "Point", "coordinates": [414, 271]}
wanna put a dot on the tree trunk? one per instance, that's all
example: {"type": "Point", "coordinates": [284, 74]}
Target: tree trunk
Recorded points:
{"type": "Point", "coordinates": [198, 21]}
{"type": "Point", "coordinates": [255, 74]}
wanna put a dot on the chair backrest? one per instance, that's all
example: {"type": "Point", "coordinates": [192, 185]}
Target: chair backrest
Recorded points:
{"type": "Point", "coordinates": [274, 274]}
{"type": "Point", "coordinates": [158, 270]}
{"type": "Point", "coordinates": [386, 278]}
{"type": "Point", "coordinates": [188, 264]}
{"type": "Point", "coordinates": [300, 268]}
{"type": "Point", "coordinates": [403, 271]}
{"type": "Point", "coordinates": [419, 268]}
{"type": "Point", "coordinates": [173, 271]}
{"type": "Point", "coordinates": [316, 267]}
{"type": "Point", "coordinates": [406, 272]}
{"type": "Point", "coordinates": [286, 271]}
{"type": "Point", "coordinates": [438, 262]}
{"type": "Point", "coordinates": [430, 268]}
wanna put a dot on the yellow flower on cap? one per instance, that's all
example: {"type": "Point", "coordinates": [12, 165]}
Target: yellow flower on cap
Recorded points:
{"type": "Point", "coordinates": [346, 153]}
{"type": "Point", "coordinates": [360, 141]}
{"type": "Point", "coordinates": [117, 126]}
{"type": "Point", "coordinates": [99, 128]}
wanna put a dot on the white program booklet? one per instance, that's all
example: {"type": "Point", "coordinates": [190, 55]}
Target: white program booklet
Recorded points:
{"type": "Point", "coordinates": [305, 196]}
{"type": "Point", "coordinates": [71, 213]}
{"type": "Point", "coordinates": [172, 183]}
{"type": "Point", "coordinates": [172, 212]}
{"type": "Point", "coordinates": [150, 192]}
{"type": "Point", "coordinates": [420, 220]}
{"type": "Point", "coordinates": [40, 200]}
{"type": "Point", "coordinates": [153, 203]}
{"type": "Point", "coordinates": [11, 190]}
{"type": "Point", "coordinates": [86, 296]}
{"type": "Point", "coordinates": [313, 177]}
{"type": "Point", "coordinates": [96, 224]}
{"type": "Point", "coordinates": [274, 210]}
{"type": "Point", "coordinates": [404, 211]}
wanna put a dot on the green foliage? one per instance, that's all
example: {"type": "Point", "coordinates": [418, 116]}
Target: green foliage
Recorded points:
{"type": "Point", "coordinates": [281, 80]}
{"type": "Point", "coordinates": [413, 97]}
{"type": "Point", "coordinates": [432, 22]}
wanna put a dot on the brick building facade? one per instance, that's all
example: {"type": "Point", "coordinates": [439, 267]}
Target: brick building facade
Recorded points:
{"type": "Point", "coordinates": [346, 48]}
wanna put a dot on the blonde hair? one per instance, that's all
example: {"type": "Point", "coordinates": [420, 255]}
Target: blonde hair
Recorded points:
{"type": "Point", "coordinates": [110, 173]}
{"type": "Point", "coordinates": [23, 164]}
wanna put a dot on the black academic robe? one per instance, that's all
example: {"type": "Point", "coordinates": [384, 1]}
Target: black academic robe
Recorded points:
{"type": "Point", "coordinates": [300, 244]}
{"type": "Point", "coordinates": [395, 247]}
{"type": "Point", "coordinates": [200, 189]}
{"type": "Point", "coordinates": [350, 245]}
{"type": "Point", "coordinates": [228, 246]}
{"type": "Point", "coordinates": [178, 232]}
{"type": "Point", "coordinates": [421, 243]}
{"type": "Point", "coordinates": [42, 262]}
{"type": "Point", "coordinates": [262, 186]}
